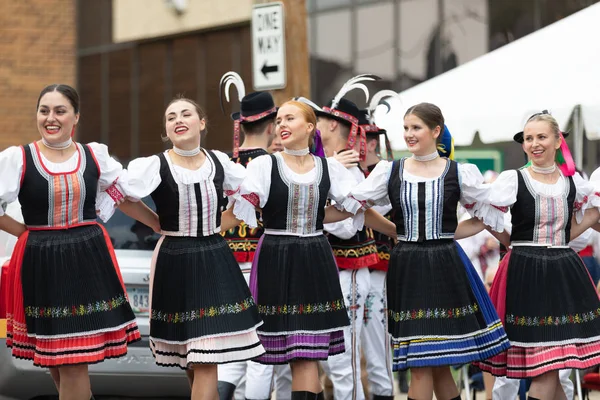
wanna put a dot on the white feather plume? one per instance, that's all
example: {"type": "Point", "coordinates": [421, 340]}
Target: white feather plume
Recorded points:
{"type": "Point", "coordinates": [228, 79]}
{"type": "Point", "coordinates": [376, 99]}
{"type": "Point", "coordinates": [354, 83]}
{"type": "Point", "coordinates": [233, 78]}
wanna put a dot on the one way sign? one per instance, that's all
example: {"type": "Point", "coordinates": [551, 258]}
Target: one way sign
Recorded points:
{"type": "Point", "coordinates": [268, 46]}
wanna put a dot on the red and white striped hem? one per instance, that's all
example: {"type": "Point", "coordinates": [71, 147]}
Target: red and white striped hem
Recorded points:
{"type": "Point", "coordinates": [521, 362]}
{"type": "Point", "coordinates": [88, 349]}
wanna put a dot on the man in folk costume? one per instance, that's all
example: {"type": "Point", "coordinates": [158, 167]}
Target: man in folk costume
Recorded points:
{"type": "Point", "coordinates": [256, 120]}
{"type": "Point", "coordinates": [354, 251]}
{"type": "Point", "coordinates": [375, 338]}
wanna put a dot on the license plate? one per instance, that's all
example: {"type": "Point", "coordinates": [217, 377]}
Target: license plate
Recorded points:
{"type": "Point", "coordinates": [139, 298]}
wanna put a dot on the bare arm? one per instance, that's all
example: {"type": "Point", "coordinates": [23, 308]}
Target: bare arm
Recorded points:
{"type": "Point", "coordinates": [379, 223]}
{"type": "Point", "coordinates": [141, 212]}
{"type": "Point", "coordinates": [8, 224]}
{"type": "Point", "coordinates": [468, 228]}
{"type": "Point", "coordinates": [503, 237]}
{"type": "Point", "coordinates": [474, 225]}
{"type": "Point", "coordinates": [332, 215]}
{"type": "Point", "coordinates": [596, 227]}
{"type": "Point", "coordinates": [590, 220]}
{"type": "Point", "coordinates": [228, 220]}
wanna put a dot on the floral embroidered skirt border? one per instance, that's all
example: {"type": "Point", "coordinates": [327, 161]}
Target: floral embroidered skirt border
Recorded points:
{"type": "Point", "coordinates": [67, 302]}
{"type": "Point", "coordinates": [202, 309]}
{"type": "Point", "coordinates": [439, 312]}
{"type": "Point", "coordinates": [296, 286]}
{"type": "Point", "coordinates": [550, 310]}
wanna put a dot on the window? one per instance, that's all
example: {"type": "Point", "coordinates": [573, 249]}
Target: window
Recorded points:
{"type": "Point", "coordinates": [129, 234]}
{"type": "Point", "coordinates": [320, 5]}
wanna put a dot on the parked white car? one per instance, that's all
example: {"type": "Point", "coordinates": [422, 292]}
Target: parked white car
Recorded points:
{"type": "Point", "coordinates": [136, 374]}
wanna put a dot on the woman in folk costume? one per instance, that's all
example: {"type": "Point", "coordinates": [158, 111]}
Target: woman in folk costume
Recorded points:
{"type": "Point", "coordinates": [439, 312]}
{"type": "Point", "coordinates": [354, 251]}
{"type": "Point", "coordinates": [202, 311]}
{"type": "Point", "coordinates": [542, 290]}
{"type": "Point", "coordinates": [375, 340]}
{"type": "Point", "coordinates": [256, 120]}
{"type": "Point", "coordinates": [67, 307]}
{"type": "Point", "coordinates": [295, 280]}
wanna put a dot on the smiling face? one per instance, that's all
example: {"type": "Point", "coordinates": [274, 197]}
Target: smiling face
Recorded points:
{"type": "Point", "coordinates": [292, 127]}
{"type": "Point", "coordinates": [183, 124]}
{"type": "Point", "coordinates": [56, 117]}
{"type": "Point", "coordinates": [420, 139]}
{"type": "Point", "coordinates": [540, 143]}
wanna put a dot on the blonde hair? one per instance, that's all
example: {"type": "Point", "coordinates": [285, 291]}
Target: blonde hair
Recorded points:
{"type": "Point", "coordinates": [549, 119]}
{"type": "Point", "coordinates": [309, 116]}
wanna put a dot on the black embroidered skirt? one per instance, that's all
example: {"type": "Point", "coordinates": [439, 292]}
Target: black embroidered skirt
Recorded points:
{"type": "Point", "coordinates": [551, 312]}
{"type": "Point", "coordinates": [202, 309]}
{"type": "Point", "coordinates": [299, 299]}
{"type": "Point", "coordinates": [438, 310]}
{"type": "Point", "coordinates": [67, 302]}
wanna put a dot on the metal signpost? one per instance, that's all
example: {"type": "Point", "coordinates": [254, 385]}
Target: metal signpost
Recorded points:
{"type": "Point", "coordinates": [268, 46]}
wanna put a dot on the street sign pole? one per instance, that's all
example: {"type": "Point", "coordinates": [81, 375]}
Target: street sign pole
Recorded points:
{"type": "Point", "coordinates": [268, 46]}
{"type": "Point", "coordinates": [297, 57]}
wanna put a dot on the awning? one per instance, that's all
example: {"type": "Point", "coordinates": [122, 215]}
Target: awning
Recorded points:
{"type": "Point", "coordinates": [555, 68]}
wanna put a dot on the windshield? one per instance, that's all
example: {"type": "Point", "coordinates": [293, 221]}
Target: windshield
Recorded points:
{"type": "Point", "coordinates": [129, 234]}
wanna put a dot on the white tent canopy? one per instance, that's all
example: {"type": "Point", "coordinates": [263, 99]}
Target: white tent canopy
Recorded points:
{"type": "Point", "coordinates": [555, 68]}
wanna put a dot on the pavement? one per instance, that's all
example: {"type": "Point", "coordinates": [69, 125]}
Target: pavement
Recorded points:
{"type": "Point", "coordinates": [481, 396]}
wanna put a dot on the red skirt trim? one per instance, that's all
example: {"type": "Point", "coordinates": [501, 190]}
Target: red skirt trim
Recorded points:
{"type": "Point", "coordinates": [528, 362]}
{"type": "Point", "coordinates": [113, 257]}
{"type": "Point", "coordinates": [47, 352]}
{"type": "Point", "coordinates": [88, 349]}
{"type": "Point", "coordinates": [587, 252]}
{"type": "Point", "coordinates": [498, 289]}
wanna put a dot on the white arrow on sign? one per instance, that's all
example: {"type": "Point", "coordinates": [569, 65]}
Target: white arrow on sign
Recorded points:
{"type": "Point", "coordinates": [268, 46]}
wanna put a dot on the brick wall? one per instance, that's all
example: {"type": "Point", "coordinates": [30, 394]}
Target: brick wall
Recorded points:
{"type": "Point", "coordinates": [37, 48]}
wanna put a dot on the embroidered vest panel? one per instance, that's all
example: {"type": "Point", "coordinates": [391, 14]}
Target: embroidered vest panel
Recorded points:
{"type": "Point", "coordinates": [424, 210]}
{"type": "Point", "coordinates": [542, 219]}
{"type": "Point", "coordinates": [296, 208]}
{"type": "Point", "coordinates": [191, 210]}
{"type": "Point", "coordinates": [58, 200]}
{"type": "Point", "coordinates": [242, 239]}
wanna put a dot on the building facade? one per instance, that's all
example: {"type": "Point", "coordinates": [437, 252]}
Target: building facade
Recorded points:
{"type": "Point", "coordinates": [129, 58]}
{"type": "Point", "coordinates": [134, 56]}
{"type": "Point", "coordinates": [37, 48]}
